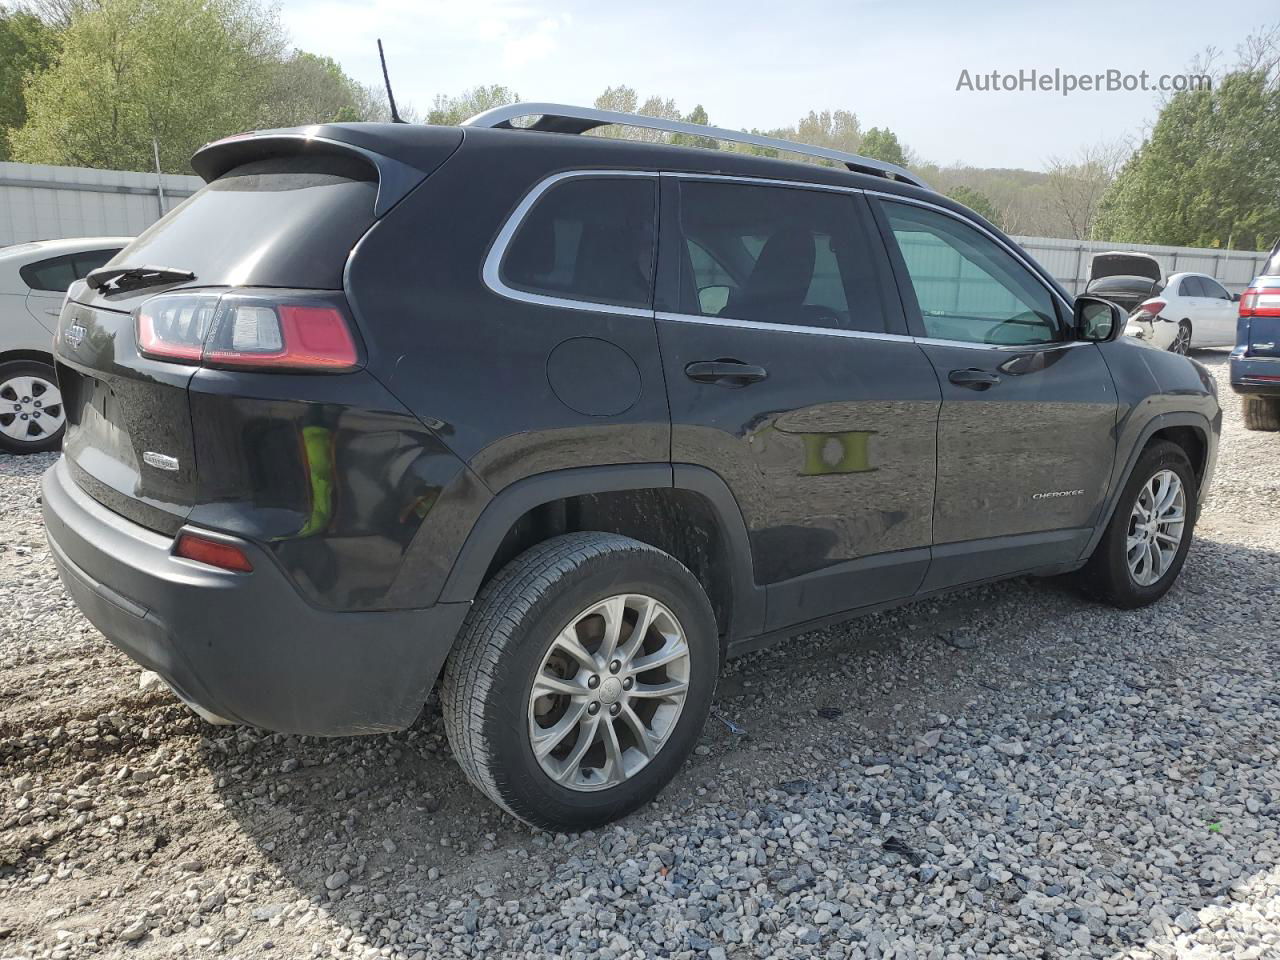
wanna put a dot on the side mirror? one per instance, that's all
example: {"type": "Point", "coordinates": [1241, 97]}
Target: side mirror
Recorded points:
{"type": "Point", "coordinates": [1235, 298]}
{"type": "Point", "coordinates": [1098, 320]}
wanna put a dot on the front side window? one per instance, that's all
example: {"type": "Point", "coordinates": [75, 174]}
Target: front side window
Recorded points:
{"type": "Point", "coordinates": [969, 288]}
{"type": "Point", "coordinates": [587, 238]}
{"type": "Point", "coordinates": [1214, 289]}
{"type": "Point", "coordinates": [775, 255]}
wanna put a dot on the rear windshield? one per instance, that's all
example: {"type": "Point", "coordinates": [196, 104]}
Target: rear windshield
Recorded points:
{"type": "Point", "coordinates": [281, 222]}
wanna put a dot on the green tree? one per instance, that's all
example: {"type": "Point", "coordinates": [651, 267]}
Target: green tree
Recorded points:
{"type": "Point", "coordinates": [181, 72]}
{"type": "Point", "coordinates": [307, 88]}
{"type": "Point", "coordinates": [453, 110]}
{"type": "Point", "coordinates": [881, 143]}
{"type": "Point", "coordinates": [27, 46]}
{"type": "Point", "coordinates": [976, 201]}
{"type": "Point", "coordinates": [699, 116]}
{"type": "Point", "coordinates": [1208, 174]}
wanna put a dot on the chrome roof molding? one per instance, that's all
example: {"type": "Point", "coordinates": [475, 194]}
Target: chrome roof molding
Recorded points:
{"type": "Point", "coordinates": [561, 118]}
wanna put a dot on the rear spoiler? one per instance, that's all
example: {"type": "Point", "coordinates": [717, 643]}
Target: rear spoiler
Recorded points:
{"type": "Point", "coordinates": [402, 156]}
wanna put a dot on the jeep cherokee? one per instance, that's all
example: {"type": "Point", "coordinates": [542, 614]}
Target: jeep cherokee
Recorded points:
{"type": "Point", "coordinates": [562, 421]}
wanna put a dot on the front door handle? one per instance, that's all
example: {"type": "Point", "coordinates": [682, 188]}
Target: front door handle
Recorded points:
{"type": "Point", "coordinates": [724, 372]}
{"type": "Point", "coordinates": [973, 378]}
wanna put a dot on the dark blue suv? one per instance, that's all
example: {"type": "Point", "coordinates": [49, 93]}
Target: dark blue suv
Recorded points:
{"type": "Point", "coordinates": [561, 421]}
{"type": "Point", "coordinates": [1255, 362]}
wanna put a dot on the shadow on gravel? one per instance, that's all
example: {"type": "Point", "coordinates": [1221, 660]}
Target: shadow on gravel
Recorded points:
{"type": "Point", "coordinates": [1012, 763]}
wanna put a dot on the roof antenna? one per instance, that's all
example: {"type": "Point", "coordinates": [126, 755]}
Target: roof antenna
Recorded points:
{"type": "Point", "coordinates": [391, 99]}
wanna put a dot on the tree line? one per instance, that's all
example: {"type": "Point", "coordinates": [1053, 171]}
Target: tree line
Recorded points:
{"type": "Point", "coordinates": [112, 83]}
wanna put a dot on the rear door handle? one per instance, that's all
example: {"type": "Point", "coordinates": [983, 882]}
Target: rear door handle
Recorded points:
{"type": "Point", "coordinates": [725, 373]}
{"type": "Point", "coordinates": [973, 378]}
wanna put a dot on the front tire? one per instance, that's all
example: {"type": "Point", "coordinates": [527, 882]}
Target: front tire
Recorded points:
{"type": "Point", "coordinates": [1145, 544]}
{"type": "Point", "coordinates": [31, 416]}
{"type": "Point", "coordinates": [581, 680]}
{"type": "Point", "coordinates": [1261, 413]}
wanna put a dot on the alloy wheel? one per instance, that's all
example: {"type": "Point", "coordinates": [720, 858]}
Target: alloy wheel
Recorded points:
{"type": "Point", "coordinates": [1181, 341]}
{"type": "Point", "coordinates": [1156, 527]}
{"type": "Point", "coordinates": [30, 409]}
{"type": "Point", "coordinates": [609, 692]}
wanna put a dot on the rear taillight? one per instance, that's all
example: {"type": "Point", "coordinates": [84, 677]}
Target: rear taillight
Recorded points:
{"type": "Point", "coordinates": [215, 553]}
{"type": "Point", "coordinates": [248, 331]}
{"type": "Point", "coordinates": [1150, 308]}
{"type": "Point", "coordinates": [1260, 302]}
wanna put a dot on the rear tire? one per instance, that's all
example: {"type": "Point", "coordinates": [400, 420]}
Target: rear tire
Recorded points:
{"type": "Point", "coordinates": [31, 415]}
{"type": "Point", "coordinates": [1182, 339]}
{"type": "Point", "coordinates": [1135, 563]}
{"type": "Point", "coordinates": [544, 620]}
{"type": "Point", "coordinates": [1261, 413]}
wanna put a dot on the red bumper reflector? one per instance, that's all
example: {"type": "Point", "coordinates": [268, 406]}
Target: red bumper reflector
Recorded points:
{"type": "Point", "coordinates": [212, 552]}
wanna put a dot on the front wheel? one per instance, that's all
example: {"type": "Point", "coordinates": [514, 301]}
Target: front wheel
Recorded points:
{"type": "Point", "coordinates": [581, 680]}
{"type": "Point", "coordinates": [1145, 544]}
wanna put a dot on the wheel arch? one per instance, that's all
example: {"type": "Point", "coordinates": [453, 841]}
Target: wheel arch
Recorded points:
{"type": "Point", "coordinates": [687, 511]}
{"type": "Point", "coordinates": [1190, 431]}
{"type": "Point", "coordinates": [39, 356]}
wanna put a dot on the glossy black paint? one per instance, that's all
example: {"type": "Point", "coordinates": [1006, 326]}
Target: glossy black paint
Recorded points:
{"type": "Point", "coordinates": [854, 473]}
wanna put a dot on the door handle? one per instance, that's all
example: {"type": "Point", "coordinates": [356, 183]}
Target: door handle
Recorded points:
{"type": "Point", "coordinates": [973, 378]}
{"type": "Point", "coordinates": [725, 373]}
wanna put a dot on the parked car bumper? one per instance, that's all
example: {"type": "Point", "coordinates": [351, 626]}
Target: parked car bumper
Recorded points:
{"type": "Point", "coordinates": [1255, 376]}
{"type": "Point", "coordinates": [243, 646]}
{"type": "Point", "coordinates": [1158, 333]}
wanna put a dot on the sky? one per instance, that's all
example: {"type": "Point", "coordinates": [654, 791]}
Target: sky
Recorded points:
{"type": "Point", "coordinates": [763, 65]}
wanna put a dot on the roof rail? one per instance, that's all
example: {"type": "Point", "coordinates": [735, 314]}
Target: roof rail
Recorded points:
{"type": "Point", "coordinates": [560, 118]}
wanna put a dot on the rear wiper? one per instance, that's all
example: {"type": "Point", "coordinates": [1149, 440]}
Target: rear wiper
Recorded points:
{"type": "Point", "coordinates": [122, 279]}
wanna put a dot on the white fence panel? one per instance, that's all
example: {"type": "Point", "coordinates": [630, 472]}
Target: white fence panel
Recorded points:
{"type": "Point", "coordinates": [39, 202]}
{"type": "Point", "coordinates": [1068, 260]}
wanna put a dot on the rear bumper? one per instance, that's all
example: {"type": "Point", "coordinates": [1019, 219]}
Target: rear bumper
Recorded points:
{"type": "Point", "coordinates": [1256, 376]}
{"type": "Point", "coordinates": [246, 647]}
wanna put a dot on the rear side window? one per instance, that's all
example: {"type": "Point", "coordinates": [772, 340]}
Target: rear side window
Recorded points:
{"type": "Point", "coordinates": [1191, 287]}
{"type": "Point", "coordinates": [53, 275]}
{"type": "Point", "coordinates": [280, 222]}
{"type": "Point", "coordinates": [776, 255]}
{"type": "Point", "coordinates": [57, 273]}
{"type": "Point", "coordinates": [587, 238]}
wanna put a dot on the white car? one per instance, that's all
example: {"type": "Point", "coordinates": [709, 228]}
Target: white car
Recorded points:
{"type": "Point", "coordinates": [1192, 310]}
{"type": "Point", "coordinates": [33, 282]}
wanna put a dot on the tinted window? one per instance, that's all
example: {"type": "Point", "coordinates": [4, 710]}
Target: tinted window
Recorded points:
{"type": "Point", "coordinates": [92, 260]}
{"type": "Point", "coordinates": [1190, 287]}
{"type": "Point", "coordinates": [969, 287]}
{"type": "Point", "coordinates": [53, 275]}
{"type": "Point", "coordinates": [588, 239]}
{"type": "Point", "coordinates": [1214, 289]}
{"type": "Point", "coordinates": [776, 255]}
{"type": "Point", "coordinates": [281, 222]}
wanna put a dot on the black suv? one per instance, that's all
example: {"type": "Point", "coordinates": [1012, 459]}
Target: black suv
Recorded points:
{"type": "Point", "coordinates": [562, 421]}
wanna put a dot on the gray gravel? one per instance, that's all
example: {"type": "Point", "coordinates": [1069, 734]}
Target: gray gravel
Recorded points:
{"type": "Point", "coordinates": [1009, 772]}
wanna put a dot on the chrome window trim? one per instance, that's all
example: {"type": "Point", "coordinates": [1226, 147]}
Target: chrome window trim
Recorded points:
{"type": "Point", "coordinates": [492, 270]}
{"type": "Point", "coordinates": [761, 181]}
{"type": "Point", "coordinates": [782, 327]}
{"type": "Point", "coordinates": [866, 334]}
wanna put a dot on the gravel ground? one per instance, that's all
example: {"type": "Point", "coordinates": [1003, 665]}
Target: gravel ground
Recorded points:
{"type": "Point", "coordinates": [1010, 771]}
